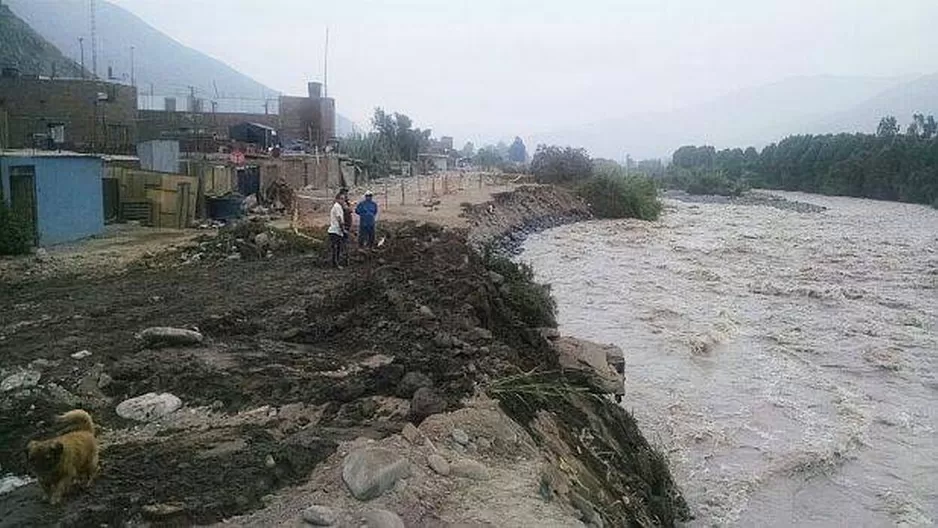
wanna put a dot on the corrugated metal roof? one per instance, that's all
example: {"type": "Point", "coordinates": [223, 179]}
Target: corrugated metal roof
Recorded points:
{"type": "Point", "coordinates": [36, 153]}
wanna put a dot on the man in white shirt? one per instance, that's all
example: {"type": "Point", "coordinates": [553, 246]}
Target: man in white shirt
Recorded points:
{"type": "Point", "coordinates": [337, 229]}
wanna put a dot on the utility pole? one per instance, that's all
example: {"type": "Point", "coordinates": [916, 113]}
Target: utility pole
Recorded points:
{"type": "Point", "coordinates": [94, 43]}
{"type": "Point", "coordinates": [81, 45]}
{"type": "Point", "coordinates": [325, 67]}
{"type": "Point", "coordinates": [133, 80]}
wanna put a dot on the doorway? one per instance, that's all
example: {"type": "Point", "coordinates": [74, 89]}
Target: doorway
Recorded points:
{"type": "Point", "coordinates": [23, 197]}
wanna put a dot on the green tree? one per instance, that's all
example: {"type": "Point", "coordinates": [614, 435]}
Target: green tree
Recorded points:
{"type": "Point", "coordinates": [888, 127]}
{"type": "Point", "coordinates": [517, 153]}
{"type": "Point", "coordinates": [488, 158]}
{"type": "Point", "coordinates": [468, 150]}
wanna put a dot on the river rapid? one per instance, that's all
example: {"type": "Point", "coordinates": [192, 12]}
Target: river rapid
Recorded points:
{"type": "Point", "coordinates": [785, 362]}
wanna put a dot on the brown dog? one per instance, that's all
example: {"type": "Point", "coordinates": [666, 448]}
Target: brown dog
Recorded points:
{"type": "Point", "coordinates": [62, 461]}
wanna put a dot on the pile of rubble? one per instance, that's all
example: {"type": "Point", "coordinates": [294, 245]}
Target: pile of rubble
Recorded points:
{"type": "Point", "coordinates": [250, 239]}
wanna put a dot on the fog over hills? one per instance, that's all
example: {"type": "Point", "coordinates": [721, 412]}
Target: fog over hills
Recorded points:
{"type": "Point", "coordinates": [758, 116]}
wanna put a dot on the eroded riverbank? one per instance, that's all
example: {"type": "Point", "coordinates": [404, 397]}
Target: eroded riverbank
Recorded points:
{"type": "Point", "coordinates": [300, 366]}
{"type": "Point", "coordinates": [784, 360]}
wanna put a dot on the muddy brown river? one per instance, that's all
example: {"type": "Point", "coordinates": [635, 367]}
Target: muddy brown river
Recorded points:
{"type": "Point", "coordinates": [785, 362]}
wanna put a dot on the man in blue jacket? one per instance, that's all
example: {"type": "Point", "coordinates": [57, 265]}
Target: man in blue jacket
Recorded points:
{"type": "Point", "coordinates": [367, 211]}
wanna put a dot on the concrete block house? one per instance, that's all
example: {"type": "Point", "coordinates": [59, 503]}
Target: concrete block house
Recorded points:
{"type": "Point", "coordinates": [59, 193]}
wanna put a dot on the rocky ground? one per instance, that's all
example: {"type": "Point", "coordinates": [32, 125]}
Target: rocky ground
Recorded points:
{"type": "Point", "coordinates": [289, 385]}
{"type": "Point", "coordinates": [762, 198]}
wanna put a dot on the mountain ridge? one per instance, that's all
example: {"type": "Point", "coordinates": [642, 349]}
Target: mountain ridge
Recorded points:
{"type": "Point", "coordinates": [758, 116]}
{"type": "Point", "coordinates": [30, 53]}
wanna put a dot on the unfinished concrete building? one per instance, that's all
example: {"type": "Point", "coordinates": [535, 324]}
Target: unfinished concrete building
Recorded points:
{"type": "Point", "coordinates": [309, 120]}
{"type": "Point", "coordinates": [68, 114]}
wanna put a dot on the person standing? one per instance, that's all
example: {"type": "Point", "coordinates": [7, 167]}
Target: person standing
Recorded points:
{"type": "Point", "coordinates": [367, 211]}
{"type": "Point", "coordinates": [347, 220]}
{"type": "Point", "coordinates": [337, 228]}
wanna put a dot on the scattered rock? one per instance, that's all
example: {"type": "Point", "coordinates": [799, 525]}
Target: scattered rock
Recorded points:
{"type": "Point", "coordinates": [104, 380]}
{"type": "Point", "coordinates": [426, 311]}
{"type": "Point", "coordinates": [319, 516]}
{"type": "Point", "coordinates": [439, 464]}
{"type": "Point", "coordinates": [162, 510]}
{"type": "Point", "coordinates": [11, 482]}
{"type": "Point", "coordinates": [82, 354]}
{"type": "Point", "coordinates": [167, 336]}
{"type": "Point", "coordinates": [262, 240]}
{"type": "Point", "coordinates": [382, 519]}
{"type": "Point", "coordinates": [461, 437]}
{"type": "Point", "coordinates": [426, 402]}
{"type": "Point", "coordinates": [484, 443]}
{"type": "Point", "coordinates": [23, 379]}
{"type": "Point", "coordinates": [550, 333]}
{"type": "Point", "coordinates": [469, 469]}
{"type": "Point", "coordinates": [42, 255]}
{"type": "Point", "coordinates": [269, 461]}
{"type": "Point", "coordinates": [369, 472]}
{"type": "Point", "coordinates": [42, 363]}
{"type": "Point", "coordinates": [442, 340]}
{"type": "Point", "coordinates": [410, 433]}
{"type": "Point", "coordinates": [377, 361]}
{"type": "Point", "coordinates": [148, 407]}
{"type": "Point", "coordinates": [496, 278]}
{"type": "Point", "coordinates": [481, 334]}
{"type": "Point", "coordinates": [411, 382]}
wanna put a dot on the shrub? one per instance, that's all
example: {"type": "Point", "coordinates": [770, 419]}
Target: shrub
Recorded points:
{"type": "Point", "coordinates": [613, 195]}
{"type": "Point", "coordinates": [530, 301]}
{"type": "Point", "coordinates": [714, 183]}
{"type": "Point", "coordinates": [15, 235]}
{"type": "Point", "coordinates": [555, 164]}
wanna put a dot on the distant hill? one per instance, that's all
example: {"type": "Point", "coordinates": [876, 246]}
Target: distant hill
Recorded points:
{"type": "Point", "coordinates": [171, 67]}
{"type": "Point", "coordinates": [22, 48]}
{"type": "Point", "coordinates": [917, 96]}
{"type": "Point", "coordinates": [758, 116]}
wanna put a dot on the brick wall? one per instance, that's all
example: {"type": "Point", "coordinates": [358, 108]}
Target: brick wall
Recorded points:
{"type": "Point", "coordinates": [29, 105]}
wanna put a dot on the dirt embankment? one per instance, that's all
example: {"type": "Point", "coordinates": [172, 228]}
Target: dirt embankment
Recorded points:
{"type": "Point", "coordinates": [301, 365]}
{"type": "Point", "coordinates": [510, 217]}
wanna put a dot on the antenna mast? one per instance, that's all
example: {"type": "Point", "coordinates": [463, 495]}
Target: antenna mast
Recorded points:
{"type": "Point", "coordinates": [325, 67]}
{"type": "Point", "coordinates": [94, 44]}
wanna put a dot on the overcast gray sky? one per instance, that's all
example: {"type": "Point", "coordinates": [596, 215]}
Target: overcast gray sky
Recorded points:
{"type": "Point", "coordinates": [484, 69]}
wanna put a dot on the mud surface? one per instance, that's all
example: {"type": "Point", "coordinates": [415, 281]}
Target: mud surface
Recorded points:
{"type": "Point", "coordinates": [307, 356]}
{"type": "Point", "coordinates": [504, 223]}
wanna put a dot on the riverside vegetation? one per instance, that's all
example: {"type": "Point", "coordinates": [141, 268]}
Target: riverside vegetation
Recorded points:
{"type": "Point", "coordinates": [610, 191]}
{"type": "Point", "coordinates": [888, 165]}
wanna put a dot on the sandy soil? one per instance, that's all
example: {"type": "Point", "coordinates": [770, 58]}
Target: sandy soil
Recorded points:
{"type": "Point", "coordinates": [438, 199]}
{"type": "Point", "coordinates": [119, 246]}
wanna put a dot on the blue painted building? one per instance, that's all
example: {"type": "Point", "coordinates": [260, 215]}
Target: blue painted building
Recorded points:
{"type": "Point", "coordinates": [60, 193]}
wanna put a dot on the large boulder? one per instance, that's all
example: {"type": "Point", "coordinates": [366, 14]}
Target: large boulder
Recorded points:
{"type": "Point", "coordinates": [426, 402]}
{"type": "Point", "coordinates": [469, 468]}
{"type": "Point", "coordinates": [369, 472]}
{"type": "Point", "coordinates": [319, 516]}
{"type": "Point", "coordinates": [161, 336]}
{"type": "Point", "coordinates": [148, 407]}
{"type": "Point", "coordinates": [594, 359]}
{"type": "Point", "coordinates": [382, 519]}
{"type": "Point", "coordinates": [411, 382]}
